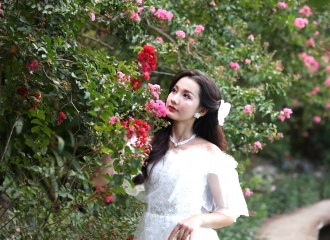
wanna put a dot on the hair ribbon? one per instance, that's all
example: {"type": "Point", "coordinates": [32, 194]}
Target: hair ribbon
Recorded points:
{"type": "Point", "coordinates": [223, 111]}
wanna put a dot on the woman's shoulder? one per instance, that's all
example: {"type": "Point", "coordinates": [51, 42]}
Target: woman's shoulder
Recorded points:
{"type": "Point", "coordinates": [215, 154]}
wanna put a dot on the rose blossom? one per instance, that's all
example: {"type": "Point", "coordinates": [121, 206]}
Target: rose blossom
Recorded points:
{"type": "Point", "coordinates": [327, 105]}
{"type": "Point", "coordinates": [251, 37]}
{"type": "Point", "coordinates": [159, 39]}
{"type": "Point", "coordinates": [300, 22]}
{"type": "Point", "coordinates": [60, 118]}
{"type": "Point", "coordinates": [257, 145]}
{"type": "Point", "coordinates": [247, 61]}
{"type": "Point", "coordinates": [305, 10]}
{"type": "Point", "coordinates": [248, 192]}
{"type": "Point", "coordinates": [282, 5]}
{"type": "Point", "coordinates": [327, 82]}
{"type": "Point", "coordinates": [113, 120]}
{"type": "Point", "coordinates": [180, 34]}
{"type": "Point", "coordinates": [315, 90]}
{"type": "Point", "coordinates": [234, 65]}
{"type": "Point", "coordinates": [310, 42]}
{"type": "Point", "coordinates": [92, 16]}
{"type": "Point", "coordinates": [213, 3]}
{"type": "Point", "coordinates": [316, 119]}
{"type": "Point", "coordinates": [248, 109]}
{"type": "Point", "coordinates": [199, 29]}
{"type": "Point", "coordinates": [327, 69]}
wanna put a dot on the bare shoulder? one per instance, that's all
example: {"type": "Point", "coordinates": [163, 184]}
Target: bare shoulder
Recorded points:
{"type": "Point", "coordinates": [210, 147]}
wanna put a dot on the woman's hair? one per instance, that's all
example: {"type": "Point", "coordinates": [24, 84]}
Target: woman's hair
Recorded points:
{"type": "Point", "coordinates": [206, 127]}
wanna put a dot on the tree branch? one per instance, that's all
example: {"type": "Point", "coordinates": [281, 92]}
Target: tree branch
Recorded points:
{"type": "Point", "coordinates": [164, 34]}
{"type": "Point", "coordinates": [97, 40]}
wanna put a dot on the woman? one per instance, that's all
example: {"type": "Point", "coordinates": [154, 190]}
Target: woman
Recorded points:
{"type": "Point", "coordinates": [191, 185]}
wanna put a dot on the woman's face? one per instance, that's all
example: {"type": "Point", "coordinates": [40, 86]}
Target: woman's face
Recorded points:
{"type": "Point", "coordinates": [183, 101]}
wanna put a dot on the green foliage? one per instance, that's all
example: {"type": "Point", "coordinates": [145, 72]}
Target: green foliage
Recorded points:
{"type": "Point", "coordinates": [46, 165]}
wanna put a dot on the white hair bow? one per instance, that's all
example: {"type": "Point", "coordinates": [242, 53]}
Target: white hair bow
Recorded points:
{"type": "Point", "coordinates": [223, 112]}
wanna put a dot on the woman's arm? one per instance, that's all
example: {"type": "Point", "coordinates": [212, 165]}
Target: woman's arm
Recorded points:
{"type": "Point", "coordinates": [188, 226]}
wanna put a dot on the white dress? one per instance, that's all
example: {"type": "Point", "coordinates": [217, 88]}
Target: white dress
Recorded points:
{"type": "Point", "coordinates": [189, 182]}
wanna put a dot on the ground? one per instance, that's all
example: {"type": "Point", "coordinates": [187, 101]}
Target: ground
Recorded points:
{"type": "Point", "coordinates": [302, 224]}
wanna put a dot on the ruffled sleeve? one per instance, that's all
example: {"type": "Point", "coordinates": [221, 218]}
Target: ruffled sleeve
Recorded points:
{"type": "Point", "coordinates": [224, 193]}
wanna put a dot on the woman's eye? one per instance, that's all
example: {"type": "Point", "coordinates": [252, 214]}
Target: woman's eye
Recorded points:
{"type": "Point", "coordinates": [173, 90]}
{"type": "Point", "coordinates": [186, 96]}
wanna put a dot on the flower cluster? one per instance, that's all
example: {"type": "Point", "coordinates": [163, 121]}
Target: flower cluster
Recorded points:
{"type": "Point", "coordinates": [136, 84]}
{"type": "Point", "coordinates": [154, 89]}
{"type": "Point", "coordinates": [122, 78]}
{"type": "Point", "coordinates": [180, 34]}
{"type": "Point", "coordinates": [199, 29]}
{"type": "Point", "coordinates": [60, 118]}
{"type": "Point", "coordinates": [257, 145]}
{"type": "Point", "coordinates": [32, 65]}
{"type": "Point", "coordinates": [106, 195]}
{"type": "Point", "coordinates": [305, 10]}
{"type": "Point", "coordinates": [282, 5]}
{"type": "Point", "coordinates": [248, 192]}
{"type": "Point", "coordinates": [300, 22]}
{"type": "Point", "coordinates": [92, 16]}
{"type": "Point", "coordinates": [327, 82]}
{"type": "Point", "coordinates": [234, 65]}
{"type": "Point", "coordinates": [156, 108]}
{"type": "Point", "coordinates": [162, 14]}
{"type": "Point", "coordinates": [137, 133]}
{"type": "Point", "coordinates": [34, 99]}
{"type": "Point", "coordinates": [285, 113]}
{"type": "Point", "coordinates": [310, 62]}
{"type": "Point", "coordinates": [147, 58]}
{"type": "Point", "coordinates": [248, 109]}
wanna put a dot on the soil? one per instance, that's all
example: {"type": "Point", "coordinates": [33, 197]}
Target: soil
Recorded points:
{"type": "Point", "coordinates": [302, 224]}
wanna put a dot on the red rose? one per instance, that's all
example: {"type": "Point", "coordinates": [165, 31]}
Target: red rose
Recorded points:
{"type": "Point", "coordinates": [60, 118]}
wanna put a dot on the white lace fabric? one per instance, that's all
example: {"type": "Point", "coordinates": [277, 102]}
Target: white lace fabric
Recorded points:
{"type": "Point", "coordinates": [189, 182]}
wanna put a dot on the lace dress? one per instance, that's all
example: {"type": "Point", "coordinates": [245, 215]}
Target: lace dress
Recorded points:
{"type": "Point", "coordinates": [189, 182]}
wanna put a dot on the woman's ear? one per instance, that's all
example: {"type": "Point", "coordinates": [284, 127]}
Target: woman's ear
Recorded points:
{"type": "Point", "coordinates": [202, 112]}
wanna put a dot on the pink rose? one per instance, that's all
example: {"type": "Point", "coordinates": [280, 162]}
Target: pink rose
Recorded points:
{"type": "Point", "coordinates": [92, 16]}
{"type": "Point", "coordinates": [251, 37]}
{"type": "Point", "coordinates": [282, 5]}
{"type": "Point", "coordinates": [113, 120]}
{"type": "Point", "coordinates": [257, 145]}
{"type": "Point", "coordinates": [199, 29]}
{"type": "Point", "coordinates": [315, 90]}
{"type": "Point", "coordinates": [248, 192]}
{"type": "Point", "coordinates": [248, 109]}
{"type": "Point", "coordinates": [247, 61]}
{"type": "Point", "coordinates": [327, 82]}
{"type": "Point", "coordinates": [305, 10]}
{"type": "Point", "coordinates": [316, 119]}
{"type": "Point", "coordinates": [159, 39]}
{"type": "Point", "coordinates": [213, 3]}
{"type": "Point", "coordinates": [234, 65]}
{"type": "Point", "coordinates": [180, 34]}
{"type": "Point", "coordinates": [327, 105]}
{"type": "Point", "coordinates": [327, 69]}
{"type": "Point", "coordinates": [300, 22]}
{"type": "Point", "coordinates": [310, 42]}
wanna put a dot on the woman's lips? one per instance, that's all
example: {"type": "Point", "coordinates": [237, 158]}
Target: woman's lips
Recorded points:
{"type": "Point", "coordinates": [172, 109]}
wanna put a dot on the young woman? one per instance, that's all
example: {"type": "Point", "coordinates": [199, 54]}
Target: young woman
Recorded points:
{"type": "Point", "coordinates": [191, 185]}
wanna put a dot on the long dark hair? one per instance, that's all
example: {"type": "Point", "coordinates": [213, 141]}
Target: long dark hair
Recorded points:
{"type": "Point", "coordinates": [206, 127]}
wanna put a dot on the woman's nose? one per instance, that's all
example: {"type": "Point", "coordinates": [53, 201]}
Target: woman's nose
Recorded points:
{"type": "Point", "coordinates": [174, 99]}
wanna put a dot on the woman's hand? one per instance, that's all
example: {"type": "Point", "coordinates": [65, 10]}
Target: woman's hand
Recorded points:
{"type": "Point", "coordinates": [186, 228]}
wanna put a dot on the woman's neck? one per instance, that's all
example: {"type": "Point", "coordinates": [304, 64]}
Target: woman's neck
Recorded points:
{"type": "Point", "coordinates": [181, 131]}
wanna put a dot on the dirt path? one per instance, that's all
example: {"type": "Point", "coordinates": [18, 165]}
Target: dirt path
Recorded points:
{"type": "Point", "coordinates": [302, 224]}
